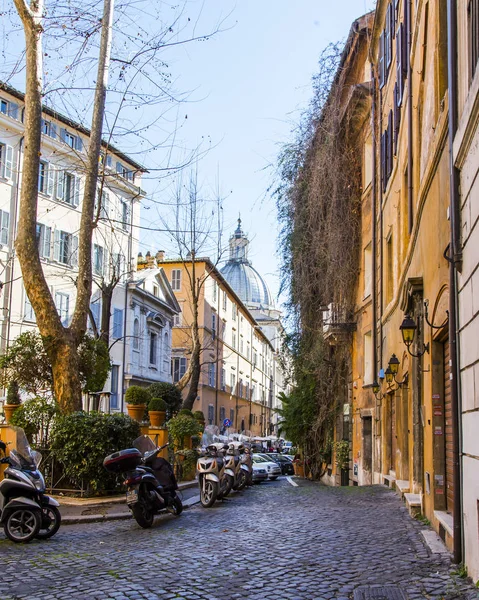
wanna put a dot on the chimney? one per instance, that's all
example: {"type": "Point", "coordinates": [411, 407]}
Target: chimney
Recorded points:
{"type": "Point", "coordinates": [140, 262]}
{"type": "Point", "coordinates": [160, 256]}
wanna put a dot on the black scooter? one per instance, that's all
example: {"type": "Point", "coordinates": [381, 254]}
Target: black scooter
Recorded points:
{"type": "Point", "coordinates": [151, 483]}
{"type": "Point", "coordinates": [26, 511]}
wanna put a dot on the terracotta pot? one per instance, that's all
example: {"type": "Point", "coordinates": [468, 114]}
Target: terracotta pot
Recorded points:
{"type": "Point", "coordinates": [136, 411]}
{"type": "Point", "coordinates": [9, 409]}
{"type": "Point", "coordinates": [298, 470]}
{"type": "Point", "coordinates": [157, 417]}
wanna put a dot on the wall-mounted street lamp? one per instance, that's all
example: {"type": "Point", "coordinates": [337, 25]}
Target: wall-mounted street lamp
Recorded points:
{"type": "Point", "coordinates": [408, 330]}
{"type": "Point", "coordinates": [426, 316]}
{"type": "Point", "coordinates": [390, 375]}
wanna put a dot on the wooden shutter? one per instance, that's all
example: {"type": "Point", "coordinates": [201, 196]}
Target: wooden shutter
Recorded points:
{"type": "Point", "coordinates": [397, 117]}
{"type": "Point", "coordinates": [45, 242]}
{"type": "Point", "coordinates": [8, 168]}
{"type": "Point", "coordinates": [78, 143]}
{"type": "Point", "coordinates": [5, 225]}
{"type": "Point", "coordinates": [76, 193]}
{"type": "Point", "coordinates": [56, 246]}
{"type": "Point", "coordinates": [50, 179]}
{"type": "Point", "coordinates": [381, 60]}
{"type": "Point", "coordinates": [60, 184]}
{"type": "Point", "coordinates": [388, 40]}
{"type": "Point", "coordinates": [62, 134]}
{"type": "Point", "coordinates": [390, 144]}
{"type": "Point", "coordinates": [399, 63]}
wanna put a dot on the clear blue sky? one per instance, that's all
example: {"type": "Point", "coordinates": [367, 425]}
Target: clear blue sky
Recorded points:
{"type": "Point", "coordinates": [250, 83]}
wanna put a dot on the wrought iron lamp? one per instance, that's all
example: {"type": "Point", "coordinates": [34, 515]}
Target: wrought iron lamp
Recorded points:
{"type": "Point", "coordinates": [408, 330]}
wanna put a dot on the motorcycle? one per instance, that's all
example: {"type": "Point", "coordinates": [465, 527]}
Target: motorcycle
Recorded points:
{"type": "Point", "coordinates": [26, 511]}
{"type": "Point", "coordinates": [212, 479]}
{"type": "Point", "coordinates": [150, 480]}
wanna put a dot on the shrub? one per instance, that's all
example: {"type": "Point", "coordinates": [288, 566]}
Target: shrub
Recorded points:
{"type": "Point", "coordinates": [137, 395]}
{"type": "Point", "coordinates": [180, 427]}
{"type": "Point", "coordinates": [36, 417]}
{"type": "Point", "coordinates": [157, 404]}
{"type": "Point", "coordinates": [199, 415]}
{"type": "Point", "coordinates": [81, 441]}
{"type": "Point", "coordinates": [169, 393]}
{"type": "Point", "coordinates": [95, 363]}
{"type": "Point", "coordinates": [13, 396]}
{"type": "Point", "coordinates": [185, 411]}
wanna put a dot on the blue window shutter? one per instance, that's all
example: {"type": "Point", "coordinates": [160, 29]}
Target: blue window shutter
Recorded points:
{"type": "Point", "coordinates": [47, 235]}
{"type": "Point", "coordinates": [56, 245]}
{"type": "Point", "coordinates": [78, 143]}
{"type": "Point", "coordinates": [117, 323]}
{"type": "Point", "coordinates": [51, 179]}
{"type": "Point", "coordinates": [60, 184]}
{"type": "Point", "coordinates": [53, 130]}
{"type": "Point", "coordinates": [13, 110]}
{"type": "Point", "coordinates": [76, 194]}
{"type": "Point", "coordinates": [62, 134]}
{"type": "Point", "coordinates": [8, 173]}
{"type": "Point", "coordinates": [119, 167]}
{"type": "Point", "coordinates": [108, 161]}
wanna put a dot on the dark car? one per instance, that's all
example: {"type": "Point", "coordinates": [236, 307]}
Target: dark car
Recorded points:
{"type": "Point", "coordinates": [286, 465]}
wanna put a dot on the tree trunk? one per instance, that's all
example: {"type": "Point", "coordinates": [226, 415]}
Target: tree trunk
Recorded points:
{"type": "Point", "coordinates": [63, 351]}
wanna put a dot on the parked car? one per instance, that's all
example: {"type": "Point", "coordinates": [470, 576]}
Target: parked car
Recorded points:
{"type": "Point", "coordinates": [273, 468]}
{"type": "Point", "coordinates": [287, 448]}
{"type": "Point", "coordinates": [285, 464]}
{"type": "Point", "coordinates": [259, 473]}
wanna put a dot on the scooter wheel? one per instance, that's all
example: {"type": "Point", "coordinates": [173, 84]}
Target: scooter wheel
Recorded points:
{"type": "Point", "coordinates": [177, 506]}
{"type": "Point", "coordinates": [51, 520]}
{"type": "Point", "coordinates": [22, 525]}
{"type": "Point", "coordinates": [209, 494]}
{"type": "Point", "coordinates": [243, 479]}
{"type": "Point", "coordinates": [142, 514]}
{"type": "Point", "coordinates": [228, 486]}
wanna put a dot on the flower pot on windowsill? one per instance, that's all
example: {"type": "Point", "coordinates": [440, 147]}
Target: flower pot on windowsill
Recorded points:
{"type": "Point", "coordinates": [136, 411]}
{"type": "Point", "coordinates": [157, 417]}
{"type": "Point", "coordinates": [9, 409]}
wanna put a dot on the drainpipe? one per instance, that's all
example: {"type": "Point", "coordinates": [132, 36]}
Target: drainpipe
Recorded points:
{"type": "Point", "coordinates": [10, 271]}
{"type": "Point", "coordinates": [409, 118]}
{"type": "Point", "coordinates": [129, 274]}
{"type": "Point", "coordinates": [454, 266]}
{"type": "Point", "coordinates": [374, 236]}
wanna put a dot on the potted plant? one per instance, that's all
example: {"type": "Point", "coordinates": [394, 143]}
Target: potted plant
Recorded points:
{"type": "Point", "coordinates": [13, 400]}
{"type": "Point", "coordinates": [169, 393]}
{"type": "Point", "coordinates": [157, 411]}
{"type": "Point", "coordinates": [137, 399]}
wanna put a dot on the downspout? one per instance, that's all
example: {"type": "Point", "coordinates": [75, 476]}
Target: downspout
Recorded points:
{"type": "Point", "coordinates": [409, 118]}
{"type": "Point", "coordinates": [455, 260]}
{"type": "Point", "coordinates": [374, 236]}
{"type": "Point", "coordinates": [130, 270]}
{"type": "Point", "coordinates": [10, 271]}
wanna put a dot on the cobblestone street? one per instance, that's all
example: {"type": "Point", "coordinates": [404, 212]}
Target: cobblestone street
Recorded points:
{"type": "Point", "coordinates": [272, 542]}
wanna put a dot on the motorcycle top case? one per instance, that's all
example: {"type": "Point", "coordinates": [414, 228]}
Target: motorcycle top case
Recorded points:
{"type": "Point", "coordinates": [122, 461]}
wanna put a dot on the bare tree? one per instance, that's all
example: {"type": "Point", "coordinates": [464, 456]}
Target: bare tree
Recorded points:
{"type": "Point", "coordinates": [195, 234]}
{"type": "Point", "coordinates": [136, 66]}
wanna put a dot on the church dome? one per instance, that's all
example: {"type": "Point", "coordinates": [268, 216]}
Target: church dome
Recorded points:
{"type": "Point", "coordinates": [243, 277]}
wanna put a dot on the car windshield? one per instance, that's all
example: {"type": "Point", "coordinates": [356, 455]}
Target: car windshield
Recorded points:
{"type": "Point", "coordinates": [259, 459]}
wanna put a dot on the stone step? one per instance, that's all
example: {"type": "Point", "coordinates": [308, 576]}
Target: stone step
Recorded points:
{"type": "Point", "coordinates": [413, 503]}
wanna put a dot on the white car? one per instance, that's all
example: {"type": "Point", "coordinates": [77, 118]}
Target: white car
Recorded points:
{"type": "Point", "coordinates": [272, 468]}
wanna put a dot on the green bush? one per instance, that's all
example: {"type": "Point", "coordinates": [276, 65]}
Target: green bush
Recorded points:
{"type": "Point", "coordinates": [180, 427]}
{"type": "Point", "coordinates": [157, 404]}
{"type": "Point", "coordinates": [13, 395]}
{"type": "Point", "coordinates": [185, 411]}
{"type": "Point", "coordinates": [167, 392]}
{"type": "Point", "coordinates": [81, 441]}
{"type": "Point", "coordinates": [137, 395]}
{"type": "Point", "coordinates": [199, 415]}
{"type": "Point", "coordinates": [36, 417]}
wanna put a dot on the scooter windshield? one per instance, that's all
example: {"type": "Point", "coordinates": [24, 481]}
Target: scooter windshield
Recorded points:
{"type": "Point", "coordinates": [22, 456]}
{"type": "Point", "coordinates": [144, 444]}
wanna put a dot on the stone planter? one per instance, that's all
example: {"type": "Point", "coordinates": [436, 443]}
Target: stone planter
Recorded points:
{"type": "Point", "coordinates": [9, 409]}
{"type": "Point", "coordinates": [157, 417]}
{"type": "Point", "coordinates": [136, 411]}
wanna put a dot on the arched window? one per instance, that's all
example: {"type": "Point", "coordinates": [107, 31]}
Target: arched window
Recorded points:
{"type": "Point", "coordinates": [136, 334]}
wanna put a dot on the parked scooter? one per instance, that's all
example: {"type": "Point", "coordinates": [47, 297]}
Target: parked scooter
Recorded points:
{"type": "Point", "coordinates": [247, 461]}
{"type": "Point", "coordinates": [212, 479]}
{"type": "Point", "coordinates": [151, 483]}
{"type": "Point", "coordinates": [26, 511]}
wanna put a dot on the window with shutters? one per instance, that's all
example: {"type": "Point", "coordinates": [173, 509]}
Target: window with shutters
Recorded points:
{"type": "Point", "coordinates": [389, 268]}
{"type": "Point", "coordinates": [62, 303]}
{"type": "Point", "coordinates": [212, 375]}
{"type": "Point", "coordinates": [368, 368]}
{"type": "Point", "coordinates": [233, 339]}
{"type": "Point", "coordinates": [211, 414]}
{"type": "Point", "coordinates": [473, 35]}
{"type": "Point", "coordinates": [247, 390]}
{"type": "Point", "coordinates": [368, 270]}
{"type": "Point", "coordinates": [28, 312]}
{"type": "Point", "coordinates": [9, 108]}
{"type": "Point", "coordinates": [234, 311]}
{"type": "Point", "coordinates": [222, 414]}
{"type": "Point", "coordinates": [178, 368]}
{"type": "Point", "coordinates": [115, 373]}
{"type": "Point", "coordinates": [117, 323]}
{"type": "Point", "coordinates": [397, 117]}
{"type": "Point", "coordinates": [124, 172]}
{"type": "Point", "coordinates": [104, 205]}
{"type": "Point", "coordinates": [215, 291]}
{"type": "Point", "coordinates": [233, 382]}
{"type": "Point", "coordinates": [401, 62]}
{"type": "Point", "coordinates": [381, 62]}
{"type": "Point", "coordinates": [389, 160]}
{"type": "Point", "coordinates": [240, 388]}
{"type": "Point", "coordinates": [388, 41]}
{"type": "Point", "coordinates": [65, 248]}
{"type": "Point", "coordinates": [232, 415]}
{"type": "Point", "coordinates": [176, 280]}
{"type": "Point", "coordinates": [68, 188]}
{"type": "Point", "coordinates": [223, 380]}
{"type": "Point", "coordinates": [213, 326]}
{"type": "Point", "coordinates": [6, 161]}
{"type": "Point", "coordinates": [98, 259]}
{"type": "Point", "coordinates": [95, 310]}
{"type": "Point", "coordinates": [177, 320]}
{"type": "Point", "coordinates": [117, 265]}
{"type": "Point", "coordinates": [44, 235]}
{"type": "Point", "coordinates": [4, 227]}
{"type": "Point", "coordinates": [125, 214]}
{"type": "Point", "coordinates": [49, 128]}
{"type": "Point", "coordinates": [225, 301]}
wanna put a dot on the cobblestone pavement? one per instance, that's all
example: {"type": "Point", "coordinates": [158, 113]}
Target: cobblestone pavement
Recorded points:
{"type": "Point", "coordinates": [271, 542]}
